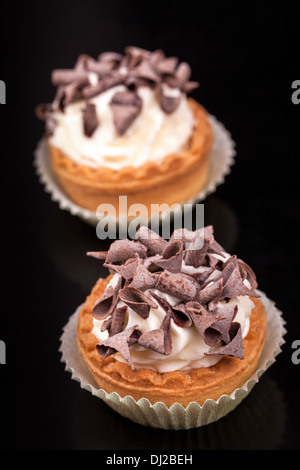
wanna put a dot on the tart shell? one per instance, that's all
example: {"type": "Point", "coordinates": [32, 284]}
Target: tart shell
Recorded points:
{"type": "Point", "coordinates": [197, 385]}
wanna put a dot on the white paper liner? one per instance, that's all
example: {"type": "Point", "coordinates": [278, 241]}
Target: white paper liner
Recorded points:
{"type": "Point", "coordinates": [176, 417]}
{"type": "Point", "coordinates": [221, 160]}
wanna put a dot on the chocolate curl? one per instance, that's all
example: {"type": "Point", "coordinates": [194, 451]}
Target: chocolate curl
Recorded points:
{"type": "Point", "coordinates": [120, 343]}
{"type": "Point", "coordinates": [177, 284]}
{"type": "Point", "coordinates": [168, 104]}
{"type": "Point", "coordinates": [232, 281]}
{"type": "Point", "coordinates": [235, 347]}
{"type": "Point", "coordinates": [213, 261]}
{"type": "Point", "coordinates": [104, 305]}
{"type": "Point", "coordinates": [110, 57]}
{"type": "Point", "coordinates": [163, 65]}
{"type": "Point", "coordinates": [134, 55]}
{"type": "Point", "coordinates": [43, 111]}
{"type": "Point", "coordinates": [137, 301]}
{"type": "Point", "coordinates": [171, 257]}
{"type": "Point", "coordinates": [143, 279]}
{"type": "Point", "coordinates": [211, 290]}
{"type": "Point", "coordinates": [247, 273]}
{"type": "Point", "coordinates": [90, 119]}
{"type": "Point", "coordinates": [196, 252]}
{"type": "Point", "coordinates": [207, 233]}
{"type": "Point", "coordinates": [100, 68]}
{"type": "Point", "coordinates": [122, 250]}
{"type": "Point", "coordinates": [188, 236]}
{"type": "Point", "coordinates": [67, 76]}
{"type": "Point", "coordinates": [107, 302]}
{"type": "Point", "coordinates": [181, 76]}
{"type": "Point", "coordinates": [178, 312]}
{"type": "Point", "coordinates": [73, 91]}
{"type": "Point", "coordinates": [126, 106]}
{"type": "Point", "coordinates": [114, 324]}
{"type": "Point", "coordinates": [154, 242]}
{"type": "Point", "coordinates": [190, 86]}
{"type": "Point", "coordinates": [181, 316]}
{"type": "Point", "coordinates": [205, 323]}
{"type": "Point", "coordinates": [81, 63]}
{"type": "Point", "coordinates": [158, 340]}
{"type": "Point", "coordinates": [104, 84]}
{"type": "Point", "coordinates": [183, 234]}
{"type": "Point", "coordinates": [127, 270]}
{"type": "Point", "coordinates": [117, 323]}
{"type": "Point", "coordinates": [144, 70]}
{"type": "Point", "coordinates": [97, 254]}
{"type": "Point", "coordinates": [228, 312]}
{"type": "Point", "coordinates": [162, 302]}
{"type": "Point", "coordinates": [149, 263]}
{"type": "Point", "coordinates": [215, 247]}
{"type": "Point", "coordinates": [202, 277]}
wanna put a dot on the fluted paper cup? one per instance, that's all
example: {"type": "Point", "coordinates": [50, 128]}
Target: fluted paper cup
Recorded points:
{"type": "Point", "coordinates": [221, 160]}
{"type": "Point", "coordinates": [175, 417]}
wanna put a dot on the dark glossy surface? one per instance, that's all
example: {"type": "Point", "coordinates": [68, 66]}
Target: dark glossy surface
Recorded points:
{"type": "Point", "coordinates": [245, 60]}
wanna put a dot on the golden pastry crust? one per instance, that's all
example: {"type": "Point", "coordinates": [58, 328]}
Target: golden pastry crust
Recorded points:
{"type": "Point", "coordinates": [170, 387]}
{"type": "Point", "coordinates": [175, 180]}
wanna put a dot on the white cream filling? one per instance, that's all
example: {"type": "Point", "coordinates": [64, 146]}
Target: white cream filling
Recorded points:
{"type": "Point", "coordinates": [153, 135]}
{"type": "Point", "coordinates": [188, 348]}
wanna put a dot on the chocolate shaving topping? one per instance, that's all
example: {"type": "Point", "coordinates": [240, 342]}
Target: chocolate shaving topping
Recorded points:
{"type": "Point", "coordinates": [122, 250]}
{"type": "Point", "coordinates": [181, 316]}
{"type": "Point", "coordinates": [158, 340]}
{"type": "Point", "coordinates": [211, 290]}
{"type": "Point", "coordinates": [135, 68]}
{"type": "Point", "coordinates": [67, 76]}
{"type": "Point", "coordinates": [203, 276]}
{"type": "Point", "coordinates": [179, 285]}
{"type": "Point", "coordinates": [154, 242]}
{"type": "Point", "coordinates": [90, 119]}
{"type": "Point", "coordinates": [205, 323]}
{"type": "Point", "coordinates": [168, 104]}
{"type": "Point", "coordinates": [196, 252]}
{"type": "Point", "coordinates": [117, 322]}
{"type": "Point", "coordinates": [97, 254]}
{"type": "Point", "coordinates": [125, 106]}
{"type": "Point", "coordinates": [171, 257]}
{"type": "Point", "coordinates": [126, 270]}
{"type": "Point", "coordinates": [233, 284]}
{"type": "Point", "coordinates": [228, 313]}
{"type": "Point", "coordinates": [235, 347]}
{"type": "Point", "coordinates": [137, 300]}
{"type": "Point", "coordinates": [107, 302]}
{"type": "Point", "coordinates": [178, 312]}
{"type": "Point", "coordinates": [151, 277]}
{"type": "Point", "coordinates": [247, 273]}
{"type": "Point", "coordinates": [144, 279]}
{"type": "Point", "coordinates": [120, 343]}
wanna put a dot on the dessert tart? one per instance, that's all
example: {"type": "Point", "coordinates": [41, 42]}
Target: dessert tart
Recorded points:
{"type": "Point", "coordinates": [175, 321]}
{"type": "Point", "coordinates": [122, 125]}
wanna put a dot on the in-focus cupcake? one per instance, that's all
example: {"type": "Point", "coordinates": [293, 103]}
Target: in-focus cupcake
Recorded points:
{"type": "Point", "coordinates": [123, 125]}
{"type": "Point", "coordinates": [176, 321]}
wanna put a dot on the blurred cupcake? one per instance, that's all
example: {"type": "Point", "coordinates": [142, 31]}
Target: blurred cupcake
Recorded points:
{"type": "Point", "coordinates": [173, 337]}
{"type": "Point", "coordinates": [123, 125]}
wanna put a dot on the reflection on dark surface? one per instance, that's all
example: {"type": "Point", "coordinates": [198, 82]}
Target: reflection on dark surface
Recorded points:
{"type": "Point", "coordinates": [257, 423]}
{"type": "Point", "coordinates": [67, 247]}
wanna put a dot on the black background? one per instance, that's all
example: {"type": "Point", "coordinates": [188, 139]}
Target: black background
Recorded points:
{"type": "Point", "coordinates": [246, 56]}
